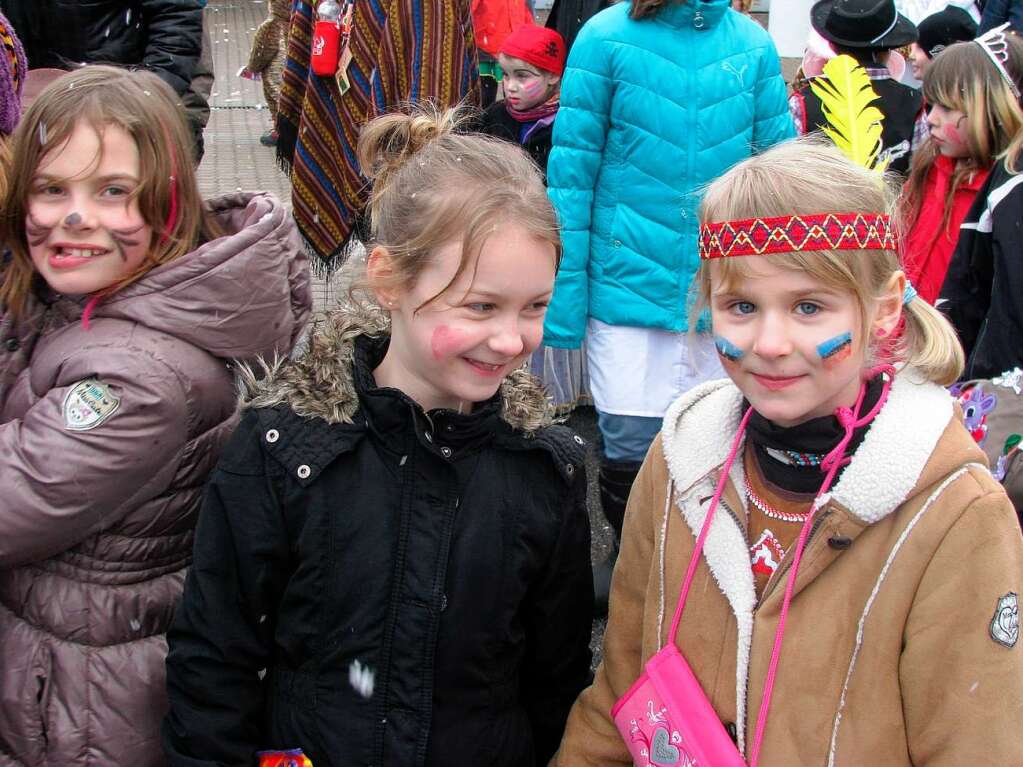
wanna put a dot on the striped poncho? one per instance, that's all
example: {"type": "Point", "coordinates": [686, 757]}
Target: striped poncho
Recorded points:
{"type": "Point", "coordinates": [402, 50]}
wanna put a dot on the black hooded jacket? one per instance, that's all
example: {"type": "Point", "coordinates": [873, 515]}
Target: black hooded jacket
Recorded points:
{"type": "Point", "coordinates": [163, 36]}
{"type": "Point", "coordinates": [348, 535]}
{"type": "Point", "coordinates": [983, 290]}
{"type": "Point", "coordinates": [497, 122]}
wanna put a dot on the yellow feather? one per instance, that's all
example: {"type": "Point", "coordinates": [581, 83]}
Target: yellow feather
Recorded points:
{"type": "Point", "coordinates": [853, 123]}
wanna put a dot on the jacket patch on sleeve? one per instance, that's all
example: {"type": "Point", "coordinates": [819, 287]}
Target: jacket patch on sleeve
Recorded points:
{"type": "Point", "coordinates": [88, 404]}
{"type": "Point", "coordinates": [1005, 623]}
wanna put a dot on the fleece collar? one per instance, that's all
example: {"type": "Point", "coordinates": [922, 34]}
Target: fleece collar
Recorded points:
{"type": "Point", "coordinates": [872, 486]}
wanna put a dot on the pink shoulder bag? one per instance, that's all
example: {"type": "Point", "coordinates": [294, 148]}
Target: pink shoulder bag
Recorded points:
{"type": "Point", "coordinates": [665, 718]}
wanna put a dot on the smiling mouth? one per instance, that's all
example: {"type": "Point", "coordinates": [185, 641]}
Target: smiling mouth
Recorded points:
{"type": "Point", "coordinates": [484, 367]}
{"type": "Point", "coordinates": [62, 252]}
{"type": "Point", "coordinates": [776, 382]}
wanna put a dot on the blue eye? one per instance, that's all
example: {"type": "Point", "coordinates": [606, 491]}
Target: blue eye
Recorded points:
{"type": "Point", "coordinates": [481, 308]}
{"type": "Point", "coordinates": [743, 307]}
{"type": "Point", "coordinates": [806, 308]}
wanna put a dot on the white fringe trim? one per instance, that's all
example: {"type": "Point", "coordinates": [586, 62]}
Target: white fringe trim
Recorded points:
{"type": "Point", "coordinates": [873, 595]}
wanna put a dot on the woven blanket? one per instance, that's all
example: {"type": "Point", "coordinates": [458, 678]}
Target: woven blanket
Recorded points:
{"type": "Point", "coordinates": [402, 50]}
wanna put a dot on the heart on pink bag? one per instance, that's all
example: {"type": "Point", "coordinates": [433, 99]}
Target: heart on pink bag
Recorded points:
{"type": "Point", "coordinates": [662, 753]}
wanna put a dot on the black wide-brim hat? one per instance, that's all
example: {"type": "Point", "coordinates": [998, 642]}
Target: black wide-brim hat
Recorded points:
{"type": "Point", "coordinates": [862, 23]}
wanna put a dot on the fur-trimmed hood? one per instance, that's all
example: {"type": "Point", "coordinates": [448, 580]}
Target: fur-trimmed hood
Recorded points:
{"type": "Point", "coordinates": [320, 382]}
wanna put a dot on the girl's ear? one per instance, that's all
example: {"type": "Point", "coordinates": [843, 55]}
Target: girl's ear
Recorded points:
{"type": "Point", "coordinates": [888, 311]}
{"type": "Point", "coordinates": [380, 273]}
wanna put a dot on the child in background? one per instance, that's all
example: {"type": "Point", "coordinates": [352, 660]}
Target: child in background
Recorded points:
{"type": "Point", "coordinates": [868, 31]}
{"type": "Point", "coordinates": [937, 32]}
{"type": "Point", "coordinates": [974, 117]}
{"type": "Point", "coordinates": [532, 59]}
{"type": "Point", "coordinates": [266, 60]}
{"type": "Point", "coordinates": [849, 536]}
{"type": "Point", "coordinates": [124, 300]}
{"type": "Point", "coordinates": [393, 560]}
{"type": "Point", "coordinates": [493, 21]}
{"type": "Point", "coordinates": [983, 289]}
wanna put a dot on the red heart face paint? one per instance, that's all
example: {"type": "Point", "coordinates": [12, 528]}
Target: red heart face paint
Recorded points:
{"type": "Point", "coordinates": [84, 229]}
{"type": "Point", "coordinates": [455, 350]}
{"type": "Point", "coordinates": [444, 341]}
{"type": "Point", "coordinates": [948, 131]}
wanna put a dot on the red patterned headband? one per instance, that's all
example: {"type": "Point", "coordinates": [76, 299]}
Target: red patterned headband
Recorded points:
{"type": "Point", "coordinates": [791, 234]}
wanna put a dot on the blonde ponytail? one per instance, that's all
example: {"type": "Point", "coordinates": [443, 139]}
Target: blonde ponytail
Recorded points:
{"type": "Point", "coordinates": [931, 344]}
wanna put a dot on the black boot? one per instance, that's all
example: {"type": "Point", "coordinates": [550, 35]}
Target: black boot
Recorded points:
{"type": "Point", "coordinates": [615, 479]}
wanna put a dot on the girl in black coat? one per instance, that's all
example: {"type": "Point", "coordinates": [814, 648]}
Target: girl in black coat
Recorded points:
{"type": "Point", "coordinates": [532, 59]}
{"type": "Point", "coordinates": [392, 562]}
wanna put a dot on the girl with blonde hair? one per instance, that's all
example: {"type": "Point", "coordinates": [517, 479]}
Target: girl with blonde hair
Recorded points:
{"type": "Point", "coordinates": [125, 300]}
{"type": "Point", "coordinates": [842, 569]}
{"type": "Point", "coordinates": [974, 118]}
{"type": "Point", "coordinates": [392, 565]}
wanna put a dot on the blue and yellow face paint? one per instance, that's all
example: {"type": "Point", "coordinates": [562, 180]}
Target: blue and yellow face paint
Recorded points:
{"type": "Point", "coordinates": [727, 349]}
{"type": "Point", "coordinates": [836, 349]}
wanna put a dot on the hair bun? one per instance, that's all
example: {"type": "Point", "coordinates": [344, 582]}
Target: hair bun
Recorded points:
{"type": "Point", "coordinates": [388, 143]}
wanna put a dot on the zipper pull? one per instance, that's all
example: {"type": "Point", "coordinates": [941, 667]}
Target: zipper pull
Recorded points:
{"type": "Point", "coordinates": [698, 21]}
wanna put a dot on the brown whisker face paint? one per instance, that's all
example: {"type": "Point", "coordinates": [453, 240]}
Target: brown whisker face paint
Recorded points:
{"type": "Point", "coordinates": [36, 233]}
{"type": "Point", "coordinates": [124, 239]}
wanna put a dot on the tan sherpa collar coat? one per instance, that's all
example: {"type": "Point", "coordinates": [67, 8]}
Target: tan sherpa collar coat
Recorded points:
{"type": "Point", "coordinates": [897, 648]}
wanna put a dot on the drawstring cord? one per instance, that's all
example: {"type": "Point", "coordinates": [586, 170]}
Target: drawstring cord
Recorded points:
{"type": "Point", "coordinates": [850, 420]}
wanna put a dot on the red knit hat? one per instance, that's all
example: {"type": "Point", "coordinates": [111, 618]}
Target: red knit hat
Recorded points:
{"type": "Point", "coordinates": [542, 47]}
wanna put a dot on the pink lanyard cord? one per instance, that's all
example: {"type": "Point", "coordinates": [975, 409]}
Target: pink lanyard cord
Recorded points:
{"type": "Point", "coordinates": [695, 558]}
{"type": "Point", "coordinates": [850, 420]}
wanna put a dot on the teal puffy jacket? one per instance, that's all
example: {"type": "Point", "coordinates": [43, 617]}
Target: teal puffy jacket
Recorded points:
{"type": "Point", "coordinates": [651, 112]}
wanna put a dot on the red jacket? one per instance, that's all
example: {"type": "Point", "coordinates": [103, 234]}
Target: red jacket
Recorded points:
{"type": "Point", "coordinates": [496, 19]}
{"type": "Point", "coordinates": [927, 248]}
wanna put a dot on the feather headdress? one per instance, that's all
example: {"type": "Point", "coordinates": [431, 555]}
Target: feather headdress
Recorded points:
{"type": "Point", "coordinates": [847, 98]}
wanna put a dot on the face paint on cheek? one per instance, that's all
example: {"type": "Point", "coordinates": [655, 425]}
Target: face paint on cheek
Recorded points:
{"type": "Point", "coordinates": [125, 239]}
{"type": "Point", "coordinates": [836, 349]}
{"type": "Point", "coordinates": [534, 88]}
{"type": "Point", "coordinates": [444, 342]}
{"type": "Point", "coordinates": [35, 232]}
{"type": "Point", "coordinates": [952, 133]}
{"type": "Point", "coordinates": [727, 349]}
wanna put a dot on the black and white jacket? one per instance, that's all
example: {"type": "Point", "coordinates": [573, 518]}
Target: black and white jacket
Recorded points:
{"type": "Point", "coordinates": [983, 290]}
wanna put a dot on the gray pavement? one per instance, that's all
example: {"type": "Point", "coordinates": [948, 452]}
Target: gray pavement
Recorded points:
{"type": "Point", "coordinates": [235, 160]}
